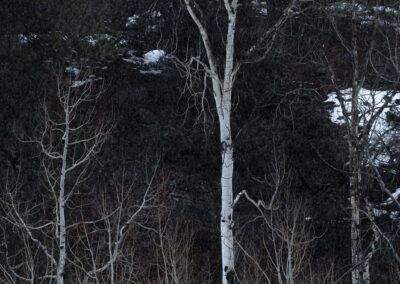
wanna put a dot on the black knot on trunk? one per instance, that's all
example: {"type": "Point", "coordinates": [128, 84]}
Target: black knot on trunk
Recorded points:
{"type": "Point", "coordinates": [230, 277]}
{"type": "Point", "coordinates": [225, 145]}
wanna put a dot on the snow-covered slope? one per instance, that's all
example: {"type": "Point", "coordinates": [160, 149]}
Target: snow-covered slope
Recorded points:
{"type": "Point", "coordinates": [370, 102]}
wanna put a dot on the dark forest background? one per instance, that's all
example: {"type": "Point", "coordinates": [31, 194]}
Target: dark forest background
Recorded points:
{"type": "Point", "coordinates": [161, 138]}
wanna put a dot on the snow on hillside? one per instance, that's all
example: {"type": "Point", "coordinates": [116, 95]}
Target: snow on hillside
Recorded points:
{"type": "Point", "coordinates": [91, 78]}
{"type": "Point", "coordinates": [393, 214]}
{"type": "Point", "coordinates": [148, 62]}
{"type": "Point", "coordinates": [261, 6]}
{"type": "Point", "coordinates": [370, 101]}
{"type": "Point", "coordinates": [153, 56]}
{"type": "Point", "coordinates": [94, 39]}
{"type": "Point", "coordinates": [367, 14]}
{"type": "Point", "coordinates": [133, 20]}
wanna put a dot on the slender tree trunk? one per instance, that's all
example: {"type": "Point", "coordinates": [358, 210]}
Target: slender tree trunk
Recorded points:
{"type": "Point", "coordinates": [228, 259]}
{"type": "Point", "coordinates": [62, 232]}
{"type": "Point", "coordinates": [222, 91]}
{"type": "Point", "coordinates": [355, 169]}
{"type": "Point", "coordinates": [61, 203]}
{"type": "Point", "coordinates": [356, 250]}
{"type": "Point", "coordinates": [355, 163]}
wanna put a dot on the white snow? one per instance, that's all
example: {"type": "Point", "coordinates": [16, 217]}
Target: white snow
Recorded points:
{"type": "Point", "coordinates": [370, 101]}
{"type": "Point", "coordinates": [387, 16]}
{"type": "Point", "coordinates": [79, 83]}
{"type": "Point", "coordinates": [135, 17]}
{"type": "Point", "coordinates": [156, 14]}
{"type": "Point", "coordinates": [379, 212]}
{"type": "Point", "coordinates": [261, 6]}
{"type": "Point", "coordinates": [362, 9]}
{"type": "Point", "coordinates": [93, 39]}
{"type": "Point", "coordinates": [123, 42]}
{"type": "Point", "coordinates": [132, 20]}
{"type": "Point", "coordinates": [153, 56]}
{"type": "Point", "coordinates": [147, 61]}
{"type": "Point", "coordinates": [23, 38]}
{"type": "Point", "coordinates": [394, 215]}
{"type": "Point", "coordinates": [76, 84]}
{"type": "Point", "coordinates": [72, 70]}
{"type": "Point", "coordinates": [264, 11]}
{"type": "Point", "coordinates": [389, 201]}
{"type": "Point", "coordinates": [150, 57]}
{"type": "Point", "coordinates": [152, 72]}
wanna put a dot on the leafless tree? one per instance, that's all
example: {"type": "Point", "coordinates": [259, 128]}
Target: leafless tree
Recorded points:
{"type": "Point", "coordinates": [69, 139]}
{"type": "Point", "coordinates": [174, 249]}
{"type": "Point", "coordinates": [118, 221]}
{"type": "Point", "coordinates": [222, 82]}
{"type": "Point", "coordinates": [284, 235]}
{"type": "Point", "coordinates": [361, 109]}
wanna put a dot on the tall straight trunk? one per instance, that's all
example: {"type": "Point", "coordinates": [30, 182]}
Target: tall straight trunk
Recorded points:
{"type": "Point", "coordinates": [357, 139]}
{"type": "Point", "coordinates": [62, 231]}
{"type": "Point", "coordinates": [228, 259]}
{"type": "Point", "coordinates": [222, 91]}
{"type": "Point", "coordinates": [354, 159]}
{"type": "Point", "coordinates": [356, 249]}
{"type": "Point", "coordinates": [355, 177]}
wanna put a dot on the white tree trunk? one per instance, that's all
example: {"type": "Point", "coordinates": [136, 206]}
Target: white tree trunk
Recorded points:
{"type": "Point", "coordinates": [355, 168]}
{"type": "Point", "coordinates": [222, 91]}
{"type": "Point", "coordinates": [57, 144]}
{"type": "Point", "coordinates": [62, 232]}
{"type": "Point", "coordinates": [356, 257]}
{"type": "Point", "coordinates": [228, 260]}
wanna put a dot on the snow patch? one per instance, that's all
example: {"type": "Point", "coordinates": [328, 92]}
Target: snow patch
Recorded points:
{"type": "Point", "coordinates": [151, 72]}
{"type": "Point", "coordinates": [71, 69]}
{"type": "Point", "coordinates": [261, 7]}
{"type": "Point", "coordinates": [156, 14]}
{"type": "Point", "coordinates": [132, 20]}
{"type": "Point", "coordinates": [147, 61]}
{"type": "Point", "coordinates": [386, 16]}
{"type": "Point", "coordinates": [369, 103]}
{"type": "Point", "coordinates": [123, 42]}
{"type": "Point", "coordinates": [150, 57]}
{"type": "Point", "coordinates": [23, 38]}
{"type": "Point", "coordinates": [379, 212]}
{"type": "Point", "coordinates": [394, 215]}
{"type": "Point", "coordinates": [389, 201]}
{"type": "Point", "coordinates": [94, 39]}
{"type": "Point", "coordinates": [80, 83]}
{"type": "Point", "coordinates": [153, 56]}
{"type": "Point", "coordinates": [91, 40]}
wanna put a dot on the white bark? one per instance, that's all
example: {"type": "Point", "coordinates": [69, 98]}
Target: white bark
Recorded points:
{"type": "Point", "coordinates": [222, 90]}
{"type": "Point", "coordinates": [62, 153]}
{"type": "Point", "coordinates": [356, 139]}
{"type": "Point", "coordinates": [228, 259]}
{"type": "Point", "coordinates": [61, 202]}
